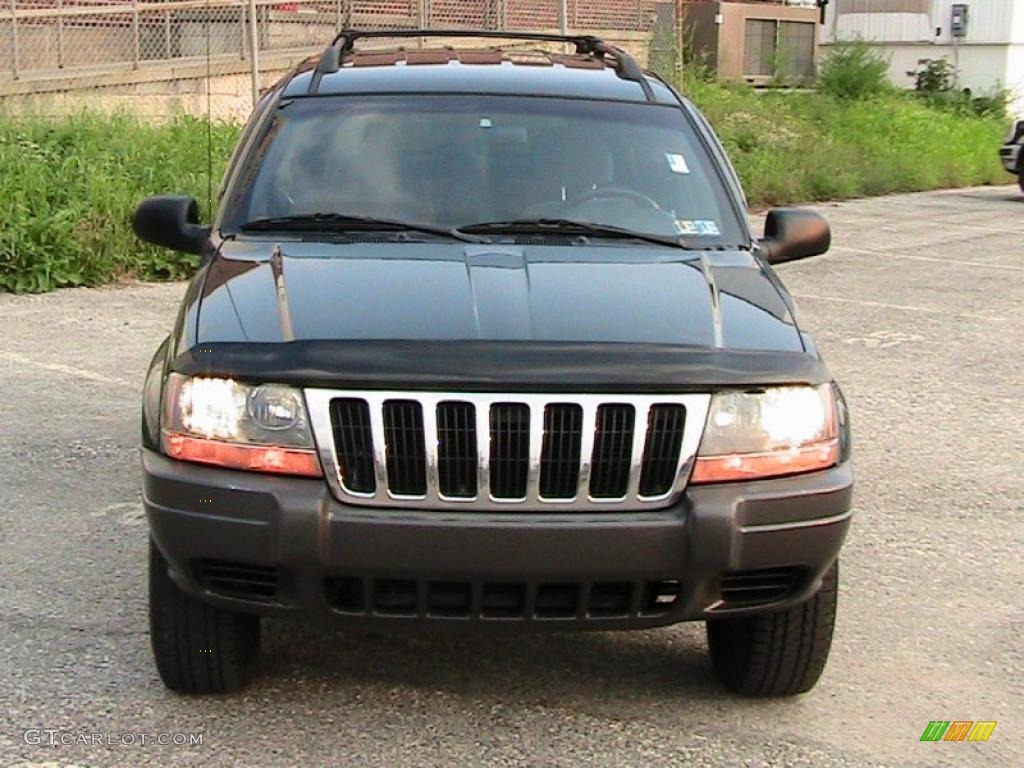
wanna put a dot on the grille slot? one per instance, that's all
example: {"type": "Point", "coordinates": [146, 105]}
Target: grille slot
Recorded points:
{"type": "Point", "coordinates": [353, 440]}
{"type": "Point", "coordinates": [504, 452]}
{"type": "Point", "coordinates": [613, 446]}
{"type": "Point", "coordinates": [406, 457]}
{"type": "Point", "coordinates": [766, 585]}
{"type": "Point", "coordinates": [661, 450]}
{"type": "Point", "coordinates": [560, 455]}
{"type": "Point", "coordinates": [244, 581]}
{"type": "Point", "coordinates": [510, 450]}
{"type": "Point", "coordinates": [456, 449]}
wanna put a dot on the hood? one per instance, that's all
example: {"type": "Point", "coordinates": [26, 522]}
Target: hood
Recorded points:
{"type": "Point", "coordinates": [266, 292]}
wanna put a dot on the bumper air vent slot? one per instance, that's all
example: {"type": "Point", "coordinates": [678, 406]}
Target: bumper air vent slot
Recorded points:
{"type": "Point", "coordinates": [741, 589]}
{"type": "Point", "coordinates": [660, 596]}
{"type": "Point", "coordinates": [395, 597]}
{"type": "Point", "coordinates": [610, 599]}
{"type": "Point", "coordinates": [454, 599]}
{"type": "Point", "coordinates": [503, 601]}
{"type": "Point", "coordinates": [449, 598]}
{"type": "Point", "coordinates": [242, 581]}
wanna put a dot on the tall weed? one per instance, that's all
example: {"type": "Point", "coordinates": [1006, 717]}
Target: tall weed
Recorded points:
{"type": "Point", "coordinates": [68, 187]}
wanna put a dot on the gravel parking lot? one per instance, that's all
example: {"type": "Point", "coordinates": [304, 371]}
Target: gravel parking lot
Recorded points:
{"type": "Point", "coordinates": [918, 309]}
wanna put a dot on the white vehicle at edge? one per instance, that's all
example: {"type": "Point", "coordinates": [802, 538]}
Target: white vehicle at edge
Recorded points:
{"type": "Point", "coordinates": [1010, 152]}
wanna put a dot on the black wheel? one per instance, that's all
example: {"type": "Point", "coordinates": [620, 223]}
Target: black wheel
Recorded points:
{"type": "Point", "coordinates": [776, 654]}
{"type": "Point", "coordinates": [197, 648]}
{"type": "Point", "coordinates": [1020, 170]}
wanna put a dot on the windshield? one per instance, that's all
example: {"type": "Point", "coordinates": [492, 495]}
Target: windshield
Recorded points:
{"type": "Point", "coordinates": [459, 161]}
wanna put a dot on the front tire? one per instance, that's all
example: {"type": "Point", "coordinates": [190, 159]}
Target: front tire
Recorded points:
{"type": "Point", "coordinates": [197, 648]}
{"type": "Point", "coordinates": [776, 654]}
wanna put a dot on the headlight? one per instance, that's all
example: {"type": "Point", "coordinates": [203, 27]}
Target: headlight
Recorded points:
{"type": "Point", "coordinates": [776, 431]}
{"type": "Point", "coordinates": [262, 428]}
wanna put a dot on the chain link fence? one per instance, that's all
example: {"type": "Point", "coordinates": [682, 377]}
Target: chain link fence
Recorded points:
{"type": "Point", "coordinates": [215, 55]}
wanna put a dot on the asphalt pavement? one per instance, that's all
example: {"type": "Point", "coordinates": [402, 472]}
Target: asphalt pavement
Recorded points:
{"type": "Point", "coordinates": [918, 310]}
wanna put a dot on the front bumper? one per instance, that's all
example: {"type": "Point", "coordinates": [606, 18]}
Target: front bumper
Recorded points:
{"type": "Point", "coordinates": [394, 567]}
{"type": "Point", "coordinates": [1009, 155]}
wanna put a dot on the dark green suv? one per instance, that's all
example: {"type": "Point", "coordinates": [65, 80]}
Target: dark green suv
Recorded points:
{"type": "Point", "coordinates": [481, 340]}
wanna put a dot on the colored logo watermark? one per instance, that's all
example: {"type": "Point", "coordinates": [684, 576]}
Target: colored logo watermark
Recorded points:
{"type": "Point", "coordinates": [958, 730]}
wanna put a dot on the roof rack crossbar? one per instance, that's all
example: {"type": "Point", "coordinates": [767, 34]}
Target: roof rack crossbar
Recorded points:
{"type": "Point", "coordinates": [625, 65]}
{"type": "Point", "coordinates": [583, 43]}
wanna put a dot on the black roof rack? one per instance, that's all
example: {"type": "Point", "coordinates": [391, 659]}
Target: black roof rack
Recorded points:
{"type": "Point", "coordinates": [625, 65]}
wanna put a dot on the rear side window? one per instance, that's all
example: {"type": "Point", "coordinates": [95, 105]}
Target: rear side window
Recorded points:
{"type": "Point", "coordinates": [458, 160]}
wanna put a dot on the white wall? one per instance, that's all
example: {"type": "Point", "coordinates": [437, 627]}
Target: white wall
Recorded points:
{"type": "Point", "coordinates": [1015, 76]}
{"type": "Point", "coordinates": [990, 56]}
{"type": "Point", "coordinates": [990, 21]}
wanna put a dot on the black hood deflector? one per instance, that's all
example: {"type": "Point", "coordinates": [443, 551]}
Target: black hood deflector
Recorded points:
{"type": "Point", "coordinates": [501, 366]}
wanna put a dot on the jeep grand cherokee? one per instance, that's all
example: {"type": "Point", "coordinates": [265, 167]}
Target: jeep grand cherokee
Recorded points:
{"type": "Point", "coordinates": [481, 339]}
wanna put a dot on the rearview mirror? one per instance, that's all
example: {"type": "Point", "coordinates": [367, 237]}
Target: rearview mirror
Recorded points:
{"type": "Point", "coordinates": [173, 222]}
{"type": "Point", "coordinates": [794, 233]}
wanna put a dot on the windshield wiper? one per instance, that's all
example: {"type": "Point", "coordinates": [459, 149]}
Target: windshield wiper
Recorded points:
{"type": "Point", "coordinates": [570, 227]}
{"type": "Point", "coordinates": [341, 222]}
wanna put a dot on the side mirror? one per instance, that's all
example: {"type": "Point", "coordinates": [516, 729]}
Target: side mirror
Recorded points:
{"type": "Point", "coordinates": [794, 233]}
{"type": "Point", "coordinates": [173, 222]}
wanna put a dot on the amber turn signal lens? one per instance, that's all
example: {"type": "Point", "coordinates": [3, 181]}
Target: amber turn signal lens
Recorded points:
{"type": "Point", "coordinates": [750, 466]}
{"type": "Point", "coordinates": [253, 458]}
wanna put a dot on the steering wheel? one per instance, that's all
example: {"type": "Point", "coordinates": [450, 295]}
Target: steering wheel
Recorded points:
{"type": "Point", "coordinates": [613, 193]}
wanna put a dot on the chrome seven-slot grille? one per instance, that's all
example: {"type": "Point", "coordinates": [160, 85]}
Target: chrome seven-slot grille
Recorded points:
{"type": "Point", "coordinates": [495, 451]}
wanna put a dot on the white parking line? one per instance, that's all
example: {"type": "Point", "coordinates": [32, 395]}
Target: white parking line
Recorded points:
{"type": "Point", "coordinates": [936, 259]}
{"type": "Point", "coordinates": [70, 370]}
{"type": "Point", "coordinates": [897, 223]}
{"type": "Point", "coordinates": [901, 307]}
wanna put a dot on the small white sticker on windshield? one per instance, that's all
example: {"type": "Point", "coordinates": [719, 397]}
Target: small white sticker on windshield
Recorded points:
{"type": "Point", "coordinates": [677, 163]}
{"type": "Point", "coordinates": [485, 122]}
{"type": "Point", "coordinates": [698, 227]}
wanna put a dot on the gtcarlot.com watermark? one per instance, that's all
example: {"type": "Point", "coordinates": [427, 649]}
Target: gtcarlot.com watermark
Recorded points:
{"type": "Point", "coordinates": [53, 737]}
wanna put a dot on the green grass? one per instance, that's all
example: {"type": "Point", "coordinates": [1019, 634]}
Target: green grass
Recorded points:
{"type": "Point", "coordinates": [791, 146]}
{"type": "Point", "coordinates": [68, 187]}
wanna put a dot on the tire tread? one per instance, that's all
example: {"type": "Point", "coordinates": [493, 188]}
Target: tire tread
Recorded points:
{"type": "Point", "coordinates": [197, 648]}
{"type": "Point", "coordinates": [777, 654]}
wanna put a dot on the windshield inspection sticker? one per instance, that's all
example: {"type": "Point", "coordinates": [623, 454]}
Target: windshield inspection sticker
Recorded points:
{"type": "Point", "coordinates": [677, 163]}
{"type": "Point", "coordinates": [704, 227]}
